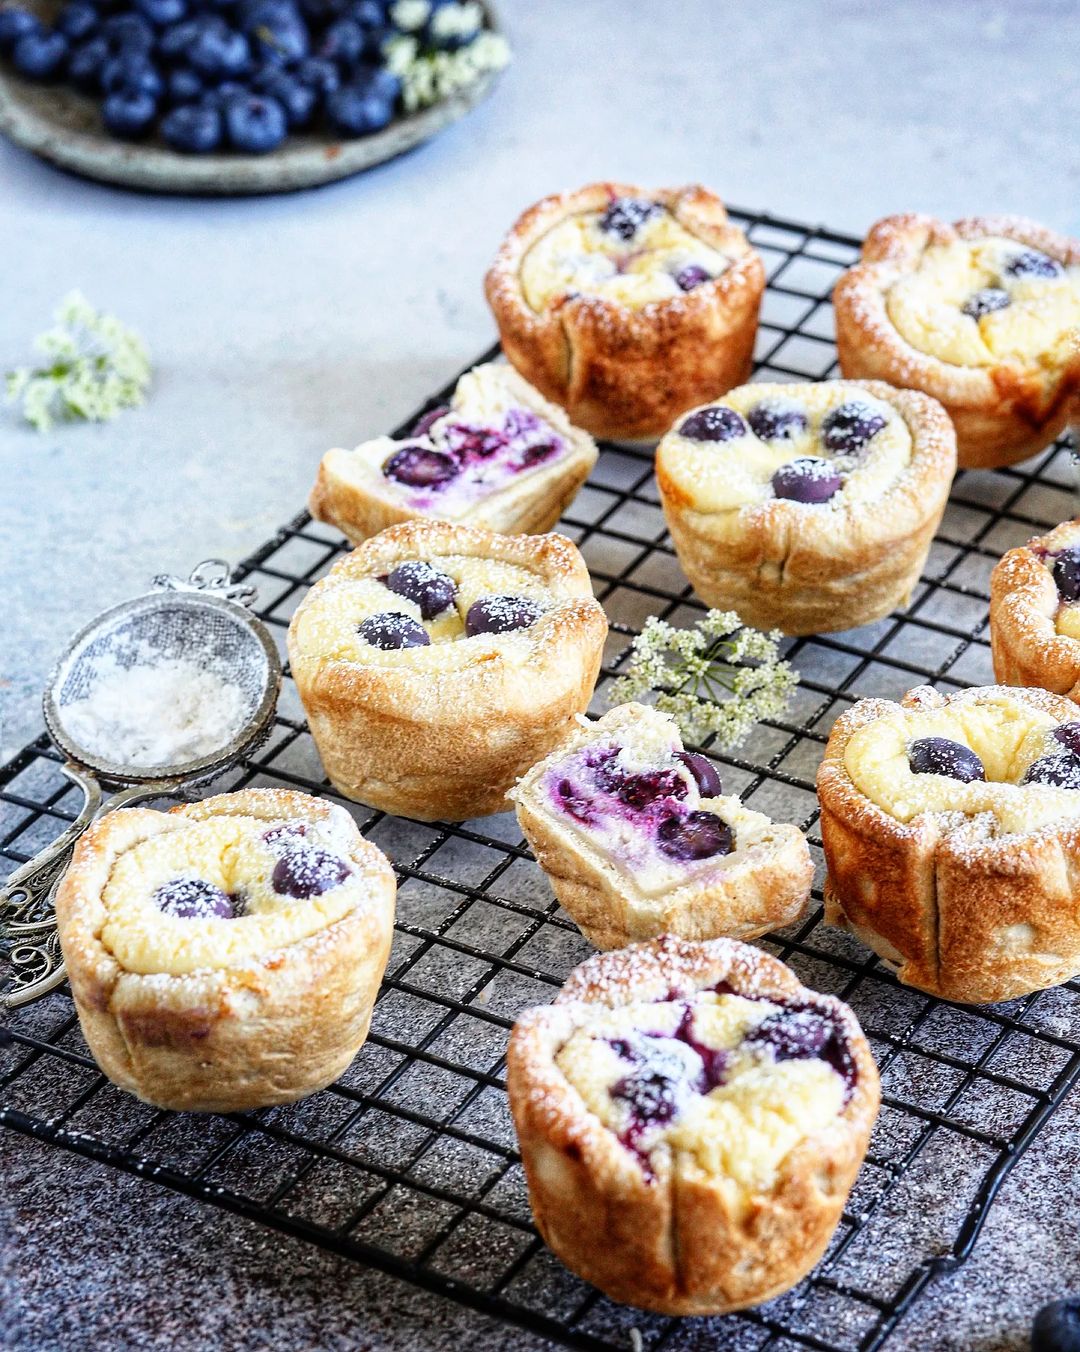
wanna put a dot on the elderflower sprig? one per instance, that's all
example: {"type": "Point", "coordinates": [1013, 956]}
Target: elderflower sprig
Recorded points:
{"type": "Point", "coordinates": [428, 71]}
{"type": "Point", "coordinates": [95, 367]}
{"type": "Point", "coordinates": [718, 677]}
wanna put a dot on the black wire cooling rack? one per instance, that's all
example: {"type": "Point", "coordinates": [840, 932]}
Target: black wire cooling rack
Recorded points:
{"type": "Point", "coordinates": [408, 1163]}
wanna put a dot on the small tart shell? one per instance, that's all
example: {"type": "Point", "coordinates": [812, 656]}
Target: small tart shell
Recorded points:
{"type": "Point", "coordinates": [976, 921]}
{"type": "Point", "coordinates": [671, 1241]}
{"type": "Point", "coordinates": [621, 372]}
{"type": "Point", "coordinates": [350, 494]}
{"type": "Point", "coordinates": [226, 1039]}
{"type": "Point", "coordinates": [447, 745]}
{"type": "Point", "coordinates": [814, 569]}
{"type": "Point", "coordinates": [1001, 413]}
{"type": "Point", "coordinates": [1024, 600]}
{"type": "Point", "coordinates": [763, 885]}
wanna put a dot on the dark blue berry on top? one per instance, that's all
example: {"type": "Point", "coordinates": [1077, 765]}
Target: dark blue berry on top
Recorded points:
{"type": "Point", "coordinates": [1033, 263]}
{"type": "Point", "coordinates": [716, 423]}
{"type": "Point", "coordinates": [192, 129]}
{"type": "Point", "coordinates": [985, 302]}
{"type": "Point", "coordinates": [1066, 572]}
{"type": "Point", "coordinates": [299, 101]}
{"type": "Point", "coordinates": [129, 114]}
{"type": "Point", "coordinates": [626, 215]}
{"type": "Point", "coordinates": [943, 756]}
{"type": "Point", "coordinates": [847, 429]}
{"type": "Point", "coordinates": [355, 110]}
{"type": "Point", "coordinates": [255, 124]}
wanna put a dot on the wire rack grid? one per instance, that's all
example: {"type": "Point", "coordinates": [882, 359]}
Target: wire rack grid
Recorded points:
{"type": "Point", "coordinates": [408, 1163]}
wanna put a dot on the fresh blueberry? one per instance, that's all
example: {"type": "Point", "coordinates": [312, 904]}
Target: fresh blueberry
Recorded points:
{"type": "Point", "coordinates": [342, 42]}
{"type": "Point", "coordinates": [806, 479]}
{"type": "Point", "coordinates": [501, 615]}
{"type": "Point", "coordinates": [418, 581]}
{"type": "Point", "coordinates": [687, 278]}
{"type": "Point", "coordinates": [322, 76]}
{"type": "Point", "coordinates": [86, 63]}
{"type": "Point", "coordinates": [77, 21]}
{"type": "Point", "coordinates": [222, 95]}
{"type": "Point", "coordinates": [277, 33]}
{"type": "Point", "coordinates": [419, 467]}
{"type": "Point", "coordinates": [367, 13]}
{"type": "Point", "coordinates": [776, 420]}
{"type": "Point", "coordinates": [129, 114]}
{"type": "Point", "coordinates": [425, 423]}
{"type": "Point", "coordinates": [194, 899]}
{"type": "Point", "coordinates": [706, 776]}
{"type": "Point", "coordinates": [174, 43]}
{"type": "Point", "coordinates": [393, 630]}
{"type": "Point", "coordinates": [847, 429]}
{"type": "Point", "coordinates": [1033, 263]}
{"type": "Point", "coordinates": [128, 31]}
{"type": "Point", "coordinates": [984, 302]}
{"type": "Point", "coordinates": [255, 124]}
{"type": "Point", "coordinates": [1066, 573]}
{"type": "Point", "coordinates": [41, 56]}
{"type": "Point", "coordinates": [219, 52]}
{"type": "Point", "coordinates": [942, 756]}
{"type": "Point", "coordinates": [356, 111]}
{"type": "Point", "coordinates": [298, 100]}
{"type": "Point", "coordinates": [131, 73]}
{"type": "Point", "coordinates": [307, 872]}
{"type": "Point", "coordinates": [626, 214]}
{"type": "Point", "coordinates": [698, 835]}
{"type": "Point", "coordinates": [715, 423]}
{"type": "Point", "coordinates": [1057, 1327]}
{"type": "Point", "coordinates": [15, 24]}
{"type": "Point", "coordinates": [1068, 734]}
{"type": "Point", "coordinates": [192, 129]}
{"type": "Point", "coordinates": [377, 80]}
{"type": "Point", "coordinates": [162, 13]}
{"type": "Point", "coordinates": [1059, 771]}
{"type": "Point", "coordinates": [182, 85]}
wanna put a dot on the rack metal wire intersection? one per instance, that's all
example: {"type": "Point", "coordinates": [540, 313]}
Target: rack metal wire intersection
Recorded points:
{"type": "Point", "coordinates": [408, 1163]}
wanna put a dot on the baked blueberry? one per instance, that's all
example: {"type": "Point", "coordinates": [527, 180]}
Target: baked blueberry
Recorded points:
{"type": "Point", "coordinates": [706, 775]}
{"type": "Point", "coordinates": [78, 22]}
{"type": "Point", "coordinates": [16, 23]}
{"type": "Point", "coordinates": [393, 630]}
{"type": "Point", "coordinates": [847, 429]}
{"type": "Point", "coordinates": [698, 835]}
{"type": "Point", "coordinates": [1068, 734]}
{"type": "Point", "coordinates": [984, 302]}
{"type": "Point", "coordinates": [1058, 770]}
{"type": "Point", "coordinates": [942, 756]}
{"type": "Point", "coordinates": [420, 467]}
{"type": "Point", "coordinates": [418, 581]}
{"type": "Point", "coordinates": [1066, 573]}
{"type": "Point", "coordinates": [641, 790]}
{"type": "Point", "coordinates": [194, 899]}
{"type": "Point", "coordinates": [193, 129]}
{"type": "Point", "coordinates": [687, 278]}
{"type": "Point", "coordinates": [625, 215]}
{"type": "Point", "coordinates": [129, 114]}
{"type": "Point", "coordinates": [716, 423]}
{"type": "Point", "coordinates": [1057, 1327]}
{"type": "Point", "coordinates": [501, 615]}
{"type": "Point", "coordinates": [285, 836]}
{"type": "Point", "coordinates": [806, 479]}
{"type": "Point", "coordinates": [41, 56]}
{"type": "Point", "coordinates": [255, 123]}
{"type": "Point", "coordinates": [306, 872]}
{"type": "Point", "coordinates": [425, 423]}
{"type": "Point", "coordinates": [776, 421]}
{"type": "Point", "coordinates": [1033, 263]}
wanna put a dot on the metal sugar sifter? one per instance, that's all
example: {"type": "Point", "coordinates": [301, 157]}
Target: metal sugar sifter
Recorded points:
{"type": "Point", "coordinates": [205, 619]}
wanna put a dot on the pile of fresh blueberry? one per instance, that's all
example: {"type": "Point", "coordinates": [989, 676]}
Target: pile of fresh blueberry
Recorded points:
{"type": "Point", "coordinates": [213, 75]}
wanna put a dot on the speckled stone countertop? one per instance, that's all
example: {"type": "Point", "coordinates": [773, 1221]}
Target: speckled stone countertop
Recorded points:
{"type": "Point", "coordinates": [283, 326]}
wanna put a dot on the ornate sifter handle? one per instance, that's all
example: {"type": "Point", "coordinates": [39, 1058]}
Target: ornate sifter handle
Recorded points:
{"type": "Point", "coordinates": [212, 576]}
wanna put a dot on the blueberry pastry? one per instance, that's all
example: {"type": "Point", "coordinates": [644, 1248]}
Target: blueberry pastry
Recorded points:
{"type": "Point", "coordinates": [499, 455]}
{"type": "Point", "coordinates": [627, 306]}
{"type": "Point", "coordinates": [951, 827]}
{"type": "Point", "coordinates": [807, 508]}
{"type": "Point", "coordinates": [437, 662]}
{"type": "Point", "coordinates": [983, 314]}
{"type": "Point", "coordinates": [226, 955]}
{"type": "Point", "coordinates": [638, 838]}
{"type": "Point", "coordinates": [1035, 613]}
{"type": "Point", "coordinates": [691, 1119]}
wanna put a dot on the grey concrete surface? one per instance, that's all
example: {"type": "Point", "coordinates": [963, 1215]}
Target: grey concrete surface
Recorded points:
{"type": "Point", "coordinates": [282, 326]}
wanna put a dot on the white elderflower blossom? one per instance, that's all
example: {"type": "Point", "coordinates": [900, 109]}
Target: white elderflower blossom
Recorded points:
{"type": "Point", "coordinates": [410, 15]}
{"type": "Point", "coordinates": [95, 367]}
{"type": "Point", "coordinates": [718, 677]}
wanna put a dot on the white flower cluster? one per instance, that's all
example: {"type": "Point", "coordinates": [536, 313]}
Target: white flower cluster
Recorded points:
{"type": "Point", "coordinates": [718, 677]}
{"type": "Point", "coordinates": [428, 77]}
{"type": "Point", "coordinates": [95, 367]}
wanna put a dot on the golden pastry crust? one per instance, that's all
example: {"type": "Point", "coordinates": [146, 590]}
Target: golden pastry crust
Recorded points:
{"type": "Point", "coordinates": [445, 741]}
{"type": "Point", "coordinates": [762, 885]}
{"type": "Point", "coordinates": [675, 1240]}
{"type": "Point", "coordinates": [1027, 647]}
{"type": "Point", "coordinates": [811, 569]}
{"type": "Point", "coordinates": [1002, 413]}
{"type": "Point", "coordinates": [959, 909]}
{"type": "Point", "coordinates": [264, 1031]}
{"type": "Point", "coordinates": [622, 372]}
{"type": "Point", "coordinates": [351, 493]}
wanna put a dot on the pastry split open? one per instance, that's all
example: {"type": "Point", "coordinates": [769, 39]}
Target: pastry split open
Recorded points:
{"type": "Point", "coordinates": [499, 455]}
{"type": "Point", "coordinates": [809, 507]}
{"type": "Point", "coordinates": [437, 662]}
{"type": "Point", "coordinates": [951, 827]}
{"type": "Point", "coordinates": [638, 839]}
{"type": "Point", "coordinates": [983, 314]}
{"type": "Point", "coordinates": [226, 954]}
{"type": "Point", "coordinates": [1035, 613]}
{"type": "Point", "coordinates": [627, 306]}
{"type": "Point", "coordinates": [691, 1119]}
